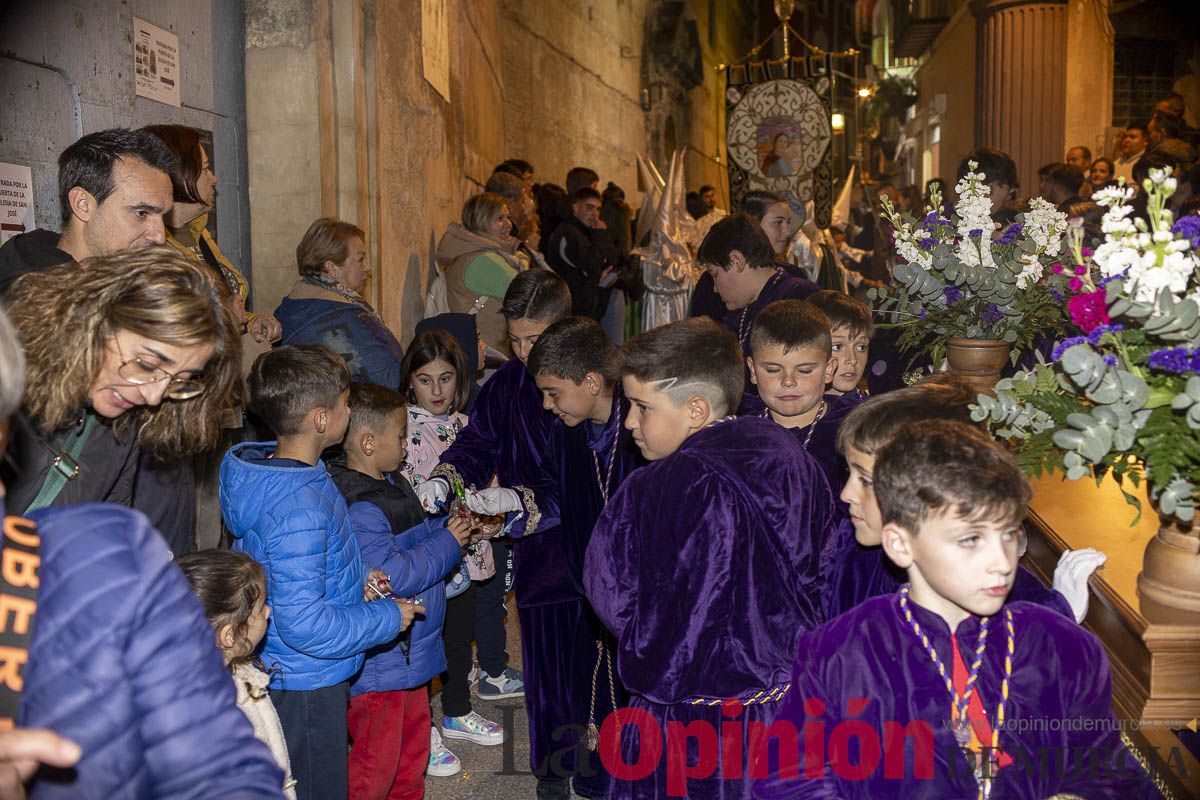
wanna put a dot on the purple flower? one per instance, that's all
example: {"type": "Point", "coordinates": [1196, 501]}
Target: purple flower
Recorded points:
{"type": "Point", "coordinates": [953, 295]}
{"type": "Point", "coordinates": [933, 220]}
{"type": "Point", "coordinates": [1057, 295]}
{"type": "Point", "coordinates": [1010, 233]}
{"type": "Point", "coordinates": [1179, 360]}
{"type": "Point", "coordinates": [927, 244]}
{"type": "Point", "coordinates": [975, 233]}
{"type": "Point", "coordinates": [1065, 345]}
{"type": "Point", "coordinates": [1110, 359]}
{"type": "Point", "coordinates": [1096, 333]}
{"type": "Point", "coordinates": [922, 314]}
{"type": "Point", "coordinates": [1189, 228]}
{"type": "Point", "coordinates": [992, 314]}
{"type": "Point", "coordinates": [1106, 281]}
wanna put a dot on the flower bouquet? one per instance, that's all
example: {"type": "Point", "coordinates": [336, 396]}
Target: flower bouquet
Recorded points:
{"type": "Point", "coordinates": [954, 281]}
{"type": "Point", "coordinates": [1123, 399]}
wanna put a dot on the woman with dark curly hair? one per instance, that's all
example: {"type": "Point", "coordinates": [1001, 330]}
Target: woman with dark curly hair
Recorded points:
{"type": "Point", "coordinates": [128, 352]}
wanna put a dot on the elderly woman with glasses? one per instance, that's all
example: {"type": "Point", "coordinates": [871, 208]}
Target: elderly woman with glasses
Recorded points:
{"type": "Point", "coordinates": [127, 353]}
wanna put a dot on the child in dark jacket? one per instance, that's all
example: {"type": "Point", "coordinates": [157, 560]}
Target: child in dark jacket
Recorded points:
{"type": "Point", "coordinates": [286, 513]}
{"type": "Point", "coordinates": [389, 718]}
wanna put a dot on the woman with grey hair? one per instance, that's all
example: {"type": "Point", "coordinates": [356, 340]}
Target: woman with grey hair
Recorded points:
{"type": "Point", "coordinates": [478, 259]}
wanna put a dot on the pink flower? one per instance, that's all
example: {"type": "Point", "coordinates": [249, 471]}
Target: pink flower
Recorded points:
{"type": "Point", "coordinates": [1056, 268]}
{"type": "Point", "coordinates": [1088, 311]}
{"type": "Point", "coordinates": [1080, 269]}
{"type": "Point", "coordinates": [1075, 284]}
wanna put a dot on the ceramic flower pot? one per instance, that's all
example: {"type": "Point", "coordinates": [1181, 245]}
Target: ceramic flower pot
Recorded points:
{"type": "Point", "coordinates": [1169, 583]}
{"type": "Point", "coordinates": [978, 361]}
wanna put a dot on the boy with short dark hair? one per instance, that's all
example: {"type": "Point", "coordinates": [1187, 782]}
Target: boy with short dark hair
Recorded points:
{"type": "Point", "coordinates": [505, 438]}
{"type": "Point", "coordinates": [858, 568]}
{"type": "Point", "coordinates": [705, 563]}
{"type": "Point", "coordinates": [285, 512]}
{"type": "Point", "coordinates": [589, 454]}
{"type": "Point", "coordinates": [851, 327]}
{"type": "Point", "coordinates": [738, 256]}
{"type": "Point", "coordinates": [389, 704]}
{"type": "Point", "coordinates": [790, 361]}
{"type": "Point", "coordinates": [946, 662]}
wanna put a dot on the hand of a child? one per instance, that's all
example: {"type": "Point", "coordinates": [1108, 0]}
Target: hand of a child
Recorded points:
{"type": "Point", "coordinates": [432, 494]}
{"type": "Point", "coordinates": [460, 527]}
{"type": "Point", "coordinates": [379, 579]}
{"type": "Point", "coordinates": [1071, 577]}
{"type": "Point", "coordinates": [487, 502]}
{"type": "Point", "coordinates": [408, 611]}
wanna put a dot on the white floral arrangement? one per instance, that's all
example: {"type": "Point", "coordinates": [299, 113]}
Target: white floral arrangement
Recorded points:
{"type": "Point", "coordinates": [955, 279]}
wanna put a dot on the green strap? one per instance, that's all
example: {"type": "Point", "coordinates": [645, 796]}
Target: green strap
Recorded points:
{"type": "Point", "coordinates": [65, 466]}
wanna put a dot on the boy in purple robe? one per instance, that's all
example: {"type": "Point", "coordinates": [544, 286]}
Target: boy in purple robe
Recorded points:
{"type": "Point", "coordinates": [856, 567]}
{"type": "Point", "coordinates": [506, 438]}
{"type": "Point", "coordinates": [791, 361]}
{"type": "Point", "coordinates": [942, 689]}
{"type": "Point", "coordinates": [851, 327]}
{"type": "Point", "coordinates": [704, 566]}
{"type": "Point", "coordinates": [741, 261]}
{"type": "Point", "coordinates": [565, 647]}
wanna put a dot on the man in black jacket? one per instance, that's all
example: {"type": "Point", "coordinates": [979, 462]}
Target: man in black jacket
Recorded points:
{"type": "Point", "coordinates": [583, 253]}
{"type": "Point", "coordinates": [114, 187]}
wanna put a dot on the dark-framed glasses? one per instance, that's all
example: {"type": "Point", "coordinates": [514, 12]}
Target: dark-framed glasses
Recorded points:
{"type": "Point", "coordinates": [138, 372]}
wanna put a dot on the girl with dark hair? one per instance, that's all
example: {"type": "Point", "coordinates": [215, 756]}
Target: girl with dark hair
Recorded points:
{"type": "Point", "coordinates": [436, 381]}
{"type": "Point", "coordinates": [233, 591]}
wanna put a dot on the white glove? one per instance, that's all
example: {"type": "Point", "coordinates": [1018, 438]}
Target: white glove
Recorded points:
{"type": "Point", "coordinates": [1071, 577]}
{"type": "Point", "coordinates": [487, 502]}
{"type": "Point", "coordinates": [432, 494]}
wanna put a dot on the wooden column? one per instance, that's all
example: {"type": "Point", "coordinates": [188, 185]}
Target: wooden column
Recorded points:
{"type": "Point", "coordinates": [1020, 95]}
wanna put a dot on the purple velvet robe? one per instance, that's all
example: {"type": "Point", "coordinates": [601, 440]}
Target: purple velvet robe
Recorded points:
{"type": "Point", "coordinates": [706, 568]}
{"type": "Point", "coordinates": [507, 437]}
{"type": "Point", "coordinates": [854, 574]}
{"type": "Point", "coordinates": [559, 639]}
{"type": "Point", "coordinates": [871, 676]}
{"type": "Point", "coordinates": [566, 489]}
{"type": "Point", "coordinates": [782, 286]}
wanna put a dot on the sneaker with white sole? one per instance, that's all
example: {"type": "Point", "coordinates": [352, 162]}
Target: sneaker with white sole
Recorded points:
{"type": "Point", "coordinates": [510, 683]}
{"type": "Point", "coordinates": [474, 674]}
{"type": "Point", "coordinates": [473, 728]}
{"type": "Point", "coordinates": [442, 763]}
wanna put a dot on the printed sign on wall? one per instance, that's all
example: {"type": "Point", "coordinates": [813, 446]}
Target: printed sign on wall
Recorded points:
{"type": "Point", "coordinates": [155, 63]}
{"type": "Point", "coordinates": [16, 200]}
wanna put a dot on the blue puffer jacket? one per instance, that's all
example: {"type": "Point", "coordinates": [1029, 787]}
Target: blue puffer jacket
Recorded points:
{"type": "Point", "coordinates": [123, 662]}
{"type": "Point", "coordinates": [293, 521]}
{"type": "Point", "coordinates": [417, 554]}
{"type": "Point", "coordinates": [416, 562]}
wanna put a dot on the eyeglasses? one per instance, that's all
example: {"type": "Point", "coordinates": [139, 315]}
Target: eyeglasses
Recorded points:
{"type": "Point", "coordinates": [139, 373]}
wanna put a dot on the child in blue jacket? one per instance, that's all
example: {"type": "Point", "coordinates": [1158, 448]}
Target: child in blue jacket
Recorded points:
{"type": "Point", "coordinates": [285, 512]}
{"type": "Point", "coordinates": [389, 705]}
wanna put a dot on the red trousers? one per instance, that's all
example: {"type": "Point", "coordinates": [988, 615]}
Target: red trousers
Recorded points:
{"type": "Point", "coordinates": [389, 732]}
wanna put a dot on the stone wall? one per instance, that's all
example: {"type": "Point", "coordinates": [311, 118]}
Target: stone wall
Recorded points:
{"type": "Point", "coordinates": [555, 83]}
{"type": "Point", "coordinates": [67, 70]}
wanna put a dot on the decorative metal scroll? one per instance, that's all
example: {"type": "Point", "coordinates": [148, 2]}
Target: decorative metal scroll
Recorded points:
{"type": "Point", "coordinates": [779, 134]}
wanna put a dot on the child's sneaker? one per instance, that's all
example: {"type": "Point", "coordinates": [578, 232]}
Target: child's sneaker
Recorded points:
{"type": "Point", "coordinates": [510, 683]}
{"type": "Point", "coordinates": [473, 728]}
{"type": "Point", "coordinates": [442, 763]}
